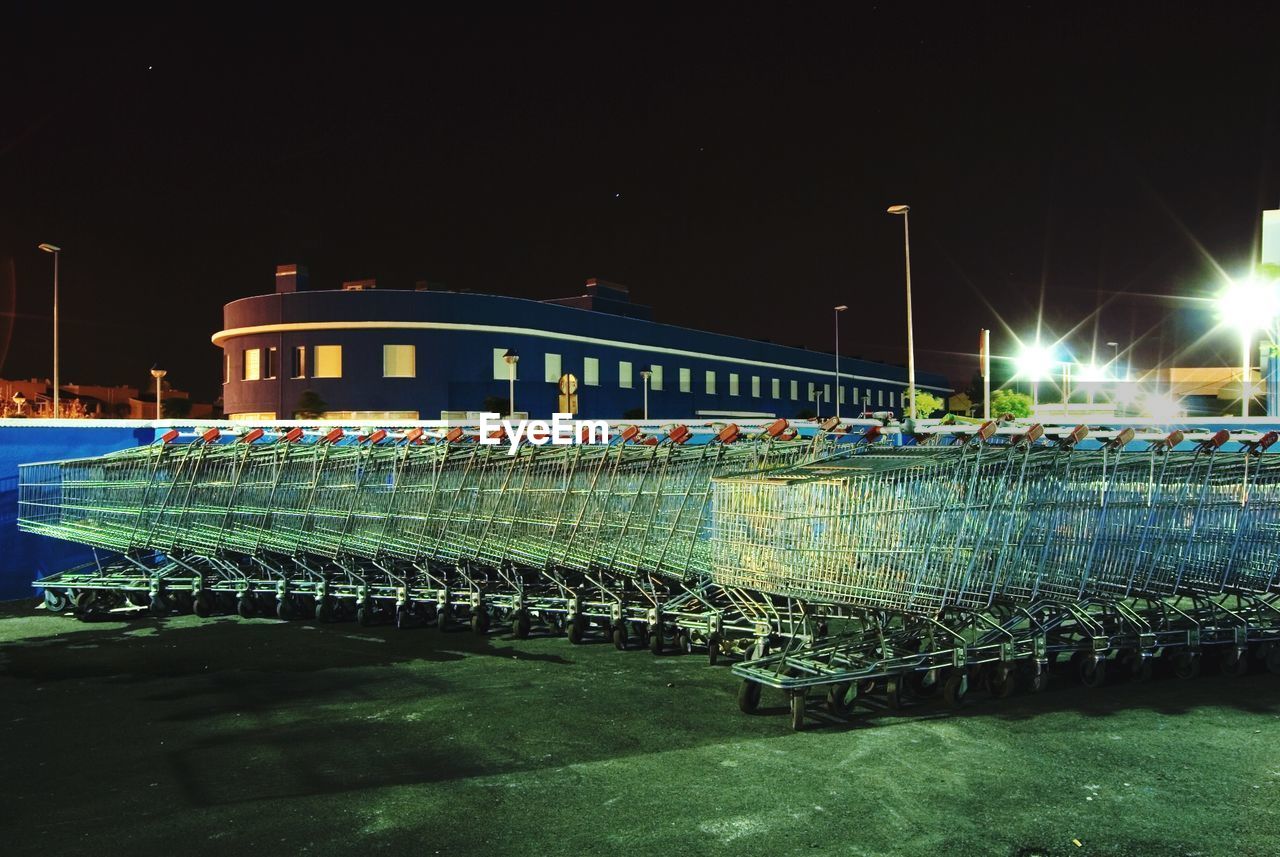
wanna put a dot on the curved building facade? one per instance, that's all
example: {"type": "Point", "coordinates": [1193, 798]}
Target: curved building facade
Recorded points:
{"type": "Point", "coordinates": [385, 354]}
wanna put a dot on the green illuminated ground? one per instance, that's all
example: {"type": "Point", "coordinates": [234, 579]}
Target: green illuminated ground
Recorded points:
{"type": "Point", "coordinates": [219, 736]}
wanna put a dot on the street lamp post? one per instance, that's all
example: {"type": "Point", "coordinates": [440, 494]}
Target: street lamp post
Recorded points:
{"type": "Point", "coordinates": [158, 374]}
{"type": "Point", "coordinates": [19, 400]}
{"type": "Point", "coordinates": [50, 248]}
{"type": "Point", "coordinates": [839, 310]}
{"type": "Point", "coordinates": [512, 358]}
{"type": "Point", "coordinates": [904, 210]}
{"type": "Point", "coordinates": [644, 377]}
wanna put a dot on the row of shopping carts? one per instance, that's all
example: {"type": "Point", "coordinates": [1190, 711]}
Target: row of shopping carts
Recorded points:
{"type": "Point", "coordinates": [976, 559]}
{"type": "Point", "coordinates": [420, 527]}
{"type": "Point", "coordinates": [833, 562]}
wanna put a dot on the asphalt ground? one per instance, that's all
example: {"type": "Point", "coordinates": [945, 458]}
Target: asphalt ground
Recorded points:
{"type": "Point", "coordinates": [227, 736]}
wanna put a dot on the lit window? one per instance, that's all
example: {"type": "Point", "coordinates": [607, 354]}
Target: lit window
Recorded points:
{"type": "Point", "coordinates": [501, 371]}
{"type": "Point", "coordinates": [733, 383]}
{"type": "Point", "coordinates": [328, 361]}
{"type": "Point", "coordinates": [624, 374]}
{"type": "Point", "coordinates": [755, 386]}
{"type": "Point", "coordinates": [655, 379]}
{"type": "Point", "coordinates": [399, 361]}
{"type": "Point", "coordinates": [711, 382]}
{"type": "Point", "coordinates": [826, 392]}
{"type": "Point", "coordinates": [809, 398]}
{"type": "Point", "coordinates": [775, 388]}
{"type": "Point", "coordinates": [880, 398]}
{"type": "Point", "coordinates": [591, 371]}
{"type": "Point", "coordinates": [891, 394]}
{"type": "Point", "coordinates": [251, 370]}
{"type": "Point", "coordinates": [686, 380]}
{"type": "Point", "coordinates": [840, 393]}
{"type": "Point", "coordinates": [272, 367]}
{"type": "Point", "coordinates": [795, 390]}
{"type": "Point", "coordinates": [551, 368]}
{"type": "Point", "coordinates": [299, 368]}
{"type": "Point", "coordinates": [226, 367]}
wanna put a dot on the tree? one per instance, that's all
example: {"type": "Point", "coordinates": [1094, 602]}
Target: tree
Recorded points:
{"type": "Point", "coordinates": [1010, 402]}
{"type": "Point", "coordinates": [310, 406]}
{"type": "Point", "coordinates": [927, 404]}
{"type": "Point", "coordinates": [176, 409]}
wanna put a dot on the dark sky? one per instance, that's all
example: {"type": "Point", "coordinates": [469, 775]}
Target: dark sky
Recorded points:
{"type": "Point", "coordinates": [730, 164]}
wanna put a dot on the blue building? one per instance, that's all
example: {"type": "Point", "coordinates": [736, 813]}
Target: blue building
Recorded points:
{"type": "Point", "coordinates": [373, 353]}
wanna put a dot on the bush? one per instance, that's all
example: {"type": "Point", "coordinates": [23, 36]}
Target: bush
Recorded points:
{"type": "Point", "coordinates": [1010, 402]}
{"type": "Point", "coordinates": [310, 406]}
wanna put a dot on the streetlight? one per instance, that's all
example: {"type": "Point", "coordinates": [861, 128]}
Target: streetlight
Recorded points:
{"type": "Point", "coordinates": [1035, 363]}
{"type": "Point", "coordinates": [644, 375]}
{"type": "Point", "coordinates": [50, 248]}
{"type": "Point", "coordinates": [1247, 306]}
{"type": "Point", "coordinates": [839, 310]}
{"type": "Point", "coordinates": [911, 346]}
{"type": "Point", "coordinates": [19, 400]}
{"type": "Point", "coordinates": [158, 374]}
{"type": "Point", "coordinates": [512, 358]}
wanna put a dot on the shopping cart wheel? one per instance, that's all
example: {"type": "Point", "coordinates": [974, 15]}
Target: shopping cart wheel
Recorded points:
{"type": "Point", "coordinates": [365, 615]}
{"type": "Point", "coordinates": [1186, 664]}
{"type": "Point", "coordinates": [576, 629]}
{"type": "Point", "coordinates": [521, 625]}
{"type": "Point", "coordinates": [202, 605]}
{"type": "Point", "coordinates": [284, 609]}
{"type": "Point", "coordinates": [1001, 682]}
{"type": "Point", "coordinates": [841, 696]}
{"type": "Point", "coordinates": [893, 692]}
{"type": "Point", "coordinates": [55, 601]}
{"type": "Point", "coordinates": [480, 622]}
{"type": "Point", "coordinates": [324, 609]}
{"type": "Point", "coordinates": [87, 604]}
{"type": "Point", "coordinates": [620, 636]}
{"type": "Point", "coordinates": [956, 688]}
{"type": "Point", "coordinates": [798, 699]}
{"type": "Point", "coordinates": [1137, 667]}
{"type": "Point", "coordinates": [656, 643]}
{"type": "Point", "coordinates": [245, 607]}
{"type": "Point", "coordinates": [684, 643]}
{"type": "Point", "coordinates": [1234, 662]}
{"type": "Point", "coordinates": [922, 684]}
{"type": "Point", "coordinates": [1037, 678]}
{"type": "Point", "coordinates": [1272, 657]}
{"type": "Point", "coordinates": [1093, 670]}
{"type": "Point", "coordinates": [159, 606]}
{"type": "Point", "coordinates": [713, 649]}
{"type": "Point", "coordinates": [749, 696]}
{"type": "Point", "coordinates": [442, 618]}
{"type": "Point", "coordinates": [181, 601]}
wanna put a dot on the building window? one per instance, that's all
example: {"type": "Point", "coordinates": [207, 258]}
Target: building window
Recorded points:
{"type": "Point", "coordinates": [755, 386]}
{"type": "Point", "coordinates": [880, 398]}
{"type": "Point", "coordinates": [809, 395]}
{"type": "Point", "coordinates": [711, 382]}
{"type": "Point", "coordinates": [624, 374]}
{"type": "Point", "coordinates": [686, 380]}
{"type": "Point", "coordinates": [251, 370]}
{"type": "Point", "coordinates": [795, 390]}
{"type": "Point", "coordinates": [501, 371]}
{"type": "Point", "coordinates": [775, 388]}
{"type": "Point", "coordinates": [655, 377]}
{"type": "Point", "coordinates": [591, 371]}
{"type": "Point", "coordinates": [733, 383]}
{"type": "Point", "coordinates": [328, 361]}
{"type": "Point", "coordinates": [826, 392]}
{"type": "Point", "coordinates": [399, 361]}
{"type": "Point", "coordinates": [840, 393]}
{"type": "Point", "coordinates": [272, 364]}
{"type": "Point", "coordinates": [891, 394]}
{"type": "Point", "coordinates": [226, 367]}
{"type": "Point", "coordinates": [299, 368]}
{"type": "Point", "coordinates": [551, 368]}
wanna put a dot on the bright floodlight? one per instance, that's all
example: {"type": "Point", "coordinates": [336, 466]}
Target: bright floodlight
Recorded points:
{"type": "Point", "coordinates": [1092, 373]}
{"type": "Point", "coordinates": [898, 209]}
{"type": "Point", "coordinates": [1248, 305]}
{"type": "Point", "coordinates": [1035, 362]}
{"type": "Point", "coordinates": [1162, 407]}
{"type": "Point", "coordinates": [48, 248]}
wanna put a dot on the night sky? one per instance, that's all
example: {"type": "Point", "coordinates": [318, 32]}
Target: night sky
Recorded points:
{"type": "Point", "coordinates": [731, 165]}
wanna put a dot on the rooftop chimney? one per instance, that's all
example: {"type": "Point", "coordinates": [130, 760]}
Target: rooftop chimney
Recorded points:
{"type": "Point", "coordinates": [290, 279]}
{"type": "Point", "coordinates": [359, 285]}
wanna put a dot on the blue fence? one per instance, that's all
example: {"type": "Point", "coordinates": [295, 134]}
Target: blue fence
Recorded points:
{"type": "Point", "coordinates": [24, 557]}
